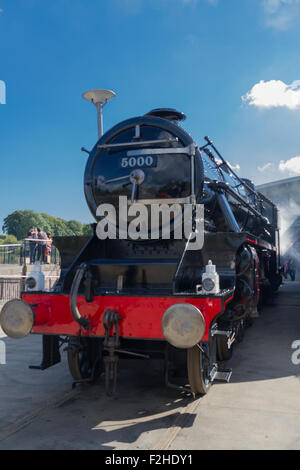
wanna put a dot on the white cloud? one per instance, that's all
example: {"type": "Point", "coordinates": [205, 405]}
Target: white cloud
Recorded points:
{"type": "Point", "coordinates": [265, 167]}
{"type": "Point", "coordinates": [234, 167]}
{"type": "Point", "coordinates": [271, 6]}
{"type": "Point", "coordinates": [291, 166]}
{"type": "Point", "coordinates": [281, 14]}
{"type": "Point", "coordinates": [273, 94]}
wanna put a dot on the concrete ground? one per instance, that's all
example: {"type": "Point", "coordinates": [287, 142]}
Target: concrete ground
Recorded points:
{"type": "Point", "coordinates": [258, 409]}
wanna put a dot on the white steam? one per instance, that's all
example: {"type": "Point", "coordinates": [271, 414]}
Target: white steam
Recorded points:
{"type": "Point", "coordinates": [288, 213]}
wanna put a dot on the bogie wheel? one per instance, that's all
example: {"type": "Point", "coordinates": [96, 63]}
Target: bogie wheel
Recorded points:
{"type": "Point", "coordinates": [198, 369]}
{"type": "Point", "coordinates": [85, 358]}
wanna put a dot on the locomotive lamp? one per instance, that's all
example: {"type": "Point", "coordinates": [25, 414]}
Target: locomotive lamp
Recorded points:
{"type": "Point", "coordinates": [17, 318]}
{"type": "Point", "coordinates": [210, 280]}
{"type": "Point", "coordinates": [36, 279]}
{"type": "Point", "coordinates": [183, 325]}
{"type": "Point", "coordinates": [99, 98]}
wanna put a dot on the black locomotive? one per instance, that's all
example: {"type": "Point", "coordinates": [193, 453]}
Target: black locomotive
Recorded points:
{"type": "Point", "coordinates": [150, 294]}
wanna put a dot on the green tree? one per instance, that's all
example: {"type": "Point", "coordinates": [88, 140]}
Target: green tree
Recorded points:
{"type": "Point", "coordinates": [75, 227]}
{"type": "Point", "coordinates": [87, 230]}
{"type": "Point", "coordinates": [7, 239]}
{"type": "Point", "coordinates": [19, 222]}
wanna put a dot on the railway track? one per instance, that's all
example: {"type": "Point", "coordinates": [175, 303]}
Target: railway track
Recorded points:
{"type": "Point", "coordinates": [29, 418]}
{"type": "Point", "coordinates": [177, 416]}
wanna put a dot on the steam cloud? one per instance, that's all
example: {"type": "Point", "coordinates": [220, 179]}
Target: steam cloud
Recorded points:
{"type": "Point", "coordinates": [288, 213]}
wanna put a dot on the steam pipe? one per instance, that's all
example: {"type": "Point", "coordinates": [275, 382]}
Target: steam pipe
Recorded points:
{"type": "Point", "coordinates": [227, 213]}
{"type": "Point", "coordinates": [209, 198]}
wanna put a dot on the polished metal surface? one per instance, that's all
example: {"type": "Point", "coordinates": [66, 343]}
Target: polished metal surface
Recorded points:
{"type": "Point", "coordinates": [17, 318]}
{"type": "Point", "coordinates": [148, 142]}
{"type": "Point", "coordinates": [183, 325]}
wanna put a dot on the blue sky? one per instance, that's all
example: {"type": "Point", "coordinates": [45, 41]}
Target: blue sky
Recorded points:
{"type": "Point", "coordinates": [231, 65]}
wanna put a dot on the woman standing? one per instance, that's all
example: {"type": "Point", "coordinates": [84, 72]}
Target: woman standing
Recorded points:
{"type": "Point", "coordinates": [48, 247]}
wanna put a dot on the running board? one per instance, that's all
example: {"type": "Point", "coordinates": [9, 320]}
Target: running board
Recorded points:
{"type": "Point", "coordinates": [227, 333]}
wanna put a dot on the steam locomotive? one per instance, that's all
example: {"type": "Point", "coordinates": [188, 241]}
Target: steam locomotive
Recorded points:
{"type": "Point", "coordinates": [154, 295]}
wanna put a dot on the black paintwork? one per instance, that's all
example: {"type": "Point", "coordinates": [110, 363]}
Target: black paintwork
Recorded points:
{"type": "Point", "coordinates": [51, 354]}
{"type": "Point", "coordinates": [171, 178]}
{"type": "Point", "coordinates": [164, 267]}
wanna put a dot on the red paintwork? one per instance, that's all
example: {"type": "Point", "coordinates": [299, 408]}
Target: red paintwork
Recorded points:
{"type": "Point", "coordinates": [268, 246]}
{"type": "Point", "coordinates": [141, 316]}
{"type": "Point", "coordinates": [228, 300]}
{"type": "Point", "coordinates": [257, 277]}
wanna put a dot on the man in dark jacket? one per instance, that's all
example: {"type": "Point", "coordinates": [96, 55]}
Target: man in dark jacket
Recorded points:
{"type": "Point", "coordinates": [32, 235]}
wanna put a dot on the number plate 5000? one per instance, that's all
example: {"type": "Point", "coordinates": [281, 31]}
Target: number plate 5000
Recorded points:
{"type": "Point", "coordinates": [140, 162]}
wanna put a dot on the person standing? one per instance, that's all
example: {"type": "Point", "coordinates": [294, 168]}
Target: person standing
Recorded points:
{"type": "Point", "coordinates": [32, 235]}
{"type": "Point", "coordinates": [285, 269]}
{"type": "Point", "coordinates": [292, 269]}
{"type": "Point", "coordinates": [48, 246]}
{"type": "Point", "coordinates": [42, 236]}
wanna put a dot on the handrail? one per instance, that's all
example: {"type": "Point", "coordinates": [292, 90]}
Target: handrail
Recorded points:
{"type": "Point", "coordinates": [17, 253]}
{"type": "Point", "coordinates": [11, 244]}
{"type": "Point", "coordinates": [145, 142]}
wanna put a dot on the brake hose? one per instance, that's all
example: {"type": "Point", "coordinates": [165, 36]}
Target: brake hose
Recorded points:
{"type": "Point", "coordinates": [83, 321]}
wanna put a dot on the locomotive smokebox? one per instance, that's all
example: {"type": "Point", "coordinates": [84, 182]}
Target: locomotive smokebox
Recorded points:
{"type": "Point", "coordinates": [183, 325]}
{"type": "Point", "coordinates": [17, 318]}
{"type": "Point", "coordinates": [154, 144]}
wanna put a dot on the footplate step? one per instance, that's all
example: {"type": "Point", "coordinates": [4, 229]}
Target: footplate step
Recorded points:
{"type": "Point", "coordinates": [223, 374]}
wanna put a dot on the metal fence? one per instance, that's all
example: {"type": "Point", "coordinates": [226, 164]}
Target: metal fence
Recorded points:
{"type": "Point", "coordinates": [12, 286]}
{"type": "Point", "coordinates": [10, 289]}
{"type": "Point", "coordinates": [36, 250]}
{"type": "Point", "coordinates": [10, 254]}
{"type": "Point", "coordinates": [28, 252]}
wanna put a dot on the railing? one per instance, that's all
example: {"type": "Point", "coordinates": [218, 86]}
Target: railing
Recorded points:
{"type": "Point", "coordinates": [12, 286]}
{"type": "Point", "coordinates": [10, 289]}
{"type": "Point", "coordinates": [10, 254]}
{"type": "Point", "coordinates": [28, 252]}
{"type": "Point", "coordinates": [34, 250]}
